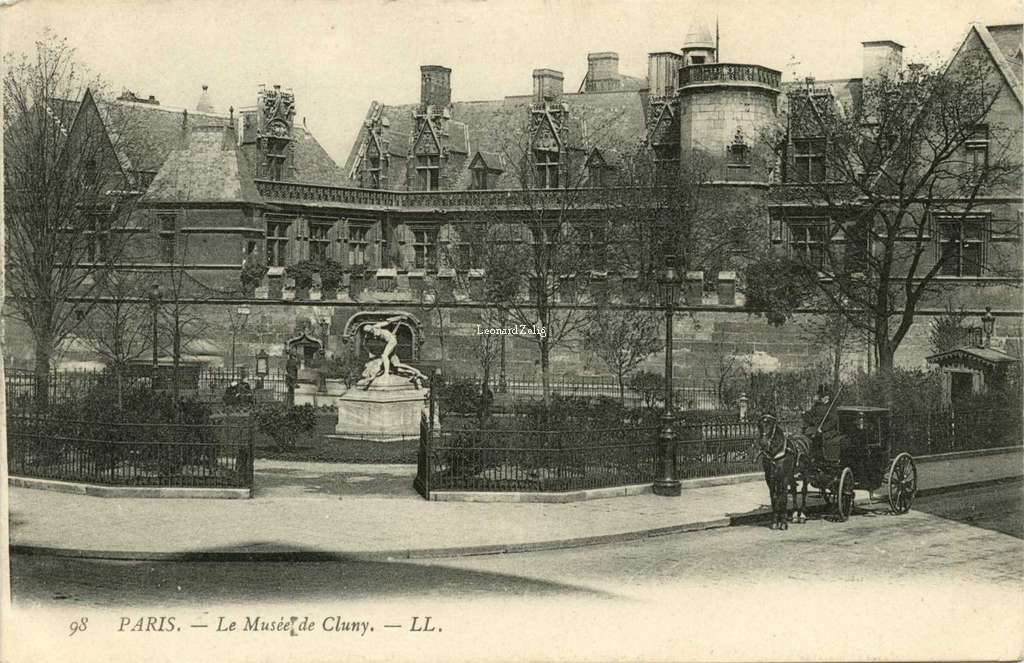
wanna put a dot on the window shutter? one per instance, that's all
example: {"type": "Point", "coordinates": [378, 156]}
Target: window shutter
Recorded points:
{"type": "Point", "coordinates": [334, 246]}
{"type": "Point", "coordinates": [293, 250]}
{"type": "Point", "coordinates": [373, 237]}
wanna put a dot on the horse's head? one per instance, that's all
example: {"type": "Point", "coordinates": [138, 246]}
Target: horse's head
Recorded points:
{"type": "Point", "coordinates": [767, 432]}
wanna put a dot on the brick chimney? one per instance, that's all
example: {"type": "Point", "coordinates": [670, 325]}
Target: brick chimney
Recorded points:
{"type": "Point", "coordinates": [881, 58]}
{"type": "Point", "coordinates": [435, 85]}
{"type": "Point", "coordinates": [602, 72]}
{"type": "Point", "coordinates": [547, 85]}
{"type": "Point", "coordinates": [663, 73]}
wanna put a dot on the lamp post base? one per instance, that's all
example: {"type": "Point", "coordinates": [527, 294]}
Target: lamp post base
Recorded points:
{"type": "Point", "coordinates": [668, 488]}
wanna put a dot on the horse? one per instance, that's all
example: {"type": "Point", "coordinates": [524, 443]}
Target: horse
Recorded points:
{"type": "Point", "coordinates": [785, 459]}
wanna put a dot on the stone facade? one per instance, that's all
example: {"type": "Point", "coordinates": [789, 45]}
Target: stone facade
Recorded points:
{"type": "Point", "coordinates": [256, 185]}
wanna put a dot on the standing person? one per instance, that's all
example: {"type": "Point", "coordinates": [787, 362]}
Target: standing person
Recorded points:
{"type": "Point", "coordinates": [291, 376]}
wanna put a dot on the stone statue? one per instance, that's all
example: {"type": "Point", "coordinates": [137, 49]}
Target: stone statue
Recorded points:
{"type": "Point", "coordinates": [388, 362]}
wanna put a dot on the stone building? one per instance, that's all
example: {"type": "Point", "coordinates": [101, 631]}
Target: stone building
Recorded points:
{"type": "Point", "coordinates": [222, 190]}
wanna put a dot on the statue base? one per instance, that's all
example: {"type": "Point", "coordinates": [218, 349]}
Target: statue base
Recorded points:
{"type": "Point", "coordinates": [386, 411]}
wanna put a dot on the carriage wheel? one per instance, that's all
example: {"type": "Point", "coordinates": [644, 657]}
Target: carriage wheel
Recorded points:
{"type": "Point", "coordinates": [844, 495]}
{"type": "Point", "coordinates": [902, 483]}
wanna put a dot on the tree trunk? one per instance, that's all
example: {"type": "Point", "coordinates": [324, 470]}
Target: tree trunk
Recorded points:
{"type": "Point", "coordinates": [43, 357]}
{"type": "Point", "coordinates": [545, 372]}
{"type": "Point", "coordinates": [886, 363]}
{"type": "Point", "coordinates": [622, 389]}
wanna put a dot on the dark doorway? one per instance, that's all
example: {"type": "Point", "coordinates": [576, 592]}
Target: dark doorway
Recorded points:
{"type": "Point", "coordinates": [961, 387]}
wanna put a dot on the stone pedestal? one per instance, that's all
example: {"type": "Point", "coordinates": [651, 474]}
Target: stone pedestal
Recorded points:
{"type": "Point", "coordinates": [389, 409]}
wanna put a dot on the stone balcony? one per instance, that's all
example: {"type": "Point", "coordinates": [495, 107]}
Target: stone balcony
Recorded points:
{"type": "Point", "coordinates": [446, 201]}
{"type": "Point", "coordinates": [723, 73]}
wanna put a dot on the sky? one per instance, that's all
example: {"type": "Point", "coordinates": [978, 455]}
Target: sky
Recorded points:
{"type": "Point", "coordinates": [340, 55]}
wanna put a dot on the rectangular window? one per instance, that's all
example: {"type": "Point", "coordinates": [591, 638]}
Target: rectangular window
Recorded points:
{"type": "Point", "coordinates": [277, 243]}
{"type": "Point", "coordinates": [809, 160]}
{"type": "Point", "coordinates": [429, 170]}
{"type": "Point", "coordinates": [807, 241]}
{"type": "Point", "coordinates": [546, 162]}
{"type": "Point", "coordinates": [481, 181]}
{"type": "Point", "coordinates": [374, 172]}
{"type": "Point", "coordinates": [962, 246]}
{"type": "Point", "coordinates": [275, 169]}
{"type": "Point", "coordinates": [858, 247]}
{"type": "Point", "coordinates": [319, 242]}
{"type": "Point", "coordinates": [98, 240]}
{"type": "Point", "coordinates": [594, 247]}
{"type": "Point", "coordinates": [977, 150]}
{"type": "Point", "coordinates": [357, 245]}
{"type": "Point", "coordinates": [424, 244]}
{"type": "Point", "coordinates": [666, 159]}
{"type": "Point", "coordinates": [167, 237]}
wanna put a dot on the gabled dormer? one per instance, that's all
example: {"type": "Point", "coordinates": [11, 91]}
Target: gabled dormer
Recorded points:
{"type": "Point", "coordinates": [548, 117]}
{"type": "Point", "coordinates": [485, 168]}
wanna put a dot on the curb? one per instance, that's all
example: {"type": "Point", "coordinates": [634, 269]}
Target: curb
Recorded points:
{"type": "Point", "coordinates": [296, 556]}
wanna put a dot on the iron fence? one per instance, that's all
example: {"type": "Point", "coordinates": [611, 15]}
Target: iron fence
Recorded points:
{"type": "Point", "coordinates": [535, 461]}
{"type": "Point", "coordinates": [512, 394]}
{"type": "Point", "coordinates": [213, 387]}
{"type": "Point", "coordinates": [948, 431]}
{"type": "Point", "coordinates": [711, 449]}
{"type": "Point", "coordinates": [131, 454]}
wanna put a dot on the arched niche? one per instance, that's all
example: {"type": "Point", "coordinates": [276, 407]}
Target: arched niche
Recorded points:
{"type": "Point", "coordinates": [307, 346]}
{"type": "Point", "coordinates": [408, 331]}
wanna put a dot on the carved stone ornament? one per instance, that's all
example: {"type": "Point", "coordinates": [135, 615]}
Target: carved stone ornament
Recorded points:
{"type": "Point", "coordinates": [278, 110]}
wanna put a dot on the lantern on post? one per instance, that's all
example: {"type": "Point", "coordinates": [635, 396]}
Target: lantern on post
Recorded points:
{"type": "Point", "coordinates": [667, 483]}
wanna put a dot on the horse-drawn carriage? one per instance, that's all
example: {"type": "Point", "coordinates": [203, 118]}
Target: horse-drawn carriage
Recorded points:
{"type": "Point", "coordinates": [859, 457]}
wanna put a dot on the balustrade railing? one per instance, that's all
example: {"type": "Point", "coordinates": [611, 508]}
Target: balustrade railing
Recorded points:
{"type": "Point", "coordinates": [723, 72]}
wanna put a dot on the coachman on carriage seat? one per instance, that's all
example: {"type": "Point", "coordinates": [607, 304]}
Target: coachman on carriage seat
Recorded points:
{"type": "Point", "coordinates": [821, 426]}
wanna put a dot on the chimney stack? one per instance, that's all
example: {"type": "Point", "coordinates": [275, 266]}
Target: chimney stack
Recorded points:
{"type": "Point", "coordinates": [881, 58]}
{"type": "Point", "coordinates": [602, 72]}
{"type": "Point", "coordinates": [435, 85]}
{"type": "Point", "coordinates": [547, 85]}
{"type": "Point", "coordinates": [663, 73]}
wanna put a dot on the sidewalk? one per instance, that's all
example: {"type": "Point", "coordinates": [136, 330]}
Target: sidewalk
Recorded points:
{"type": "Point", "coordinates": [318, 511]}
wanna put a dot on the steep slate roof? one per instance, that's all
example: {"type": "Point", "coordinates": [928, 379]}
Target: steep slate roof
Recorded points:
{"type": "Point", "coordinates": [1002, 52]}
{"type": "Point", "coordinates": [208, 168]}
{"type": "Point", "coordinates": [611, 121]}
{"type": "Point", "coordinates": [159, 130]}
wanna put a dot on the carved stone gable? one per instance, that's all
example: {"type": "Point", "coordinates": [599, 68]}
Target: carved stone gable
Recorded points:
{"type": "Point", "coordinates": [663, 128]}
{"type": "Point", "coordinates": [277, 112]}
{"type": "Point", "coordinates": [427, 142]}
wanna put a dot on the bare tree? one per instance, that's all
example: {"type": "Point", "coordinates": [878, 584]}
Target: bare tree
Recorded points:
{"type": "Point", "coordinates": [900, 174]}
{"type": "Point", "coordinates": [118, 327]}
{"type": "Point", "coordinates": [622, 338]}
{"type": "Point", "coordinates": [68, 192]}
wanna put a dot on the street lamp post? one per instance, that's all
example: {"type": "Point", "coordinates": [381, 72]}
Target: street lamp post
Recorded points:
{"type": "Point", "coordinates": [243, 312]}
{"type": "Point", "coordinates": [154, 302]}
{"type": "Point", "coordinates": [667, 483]}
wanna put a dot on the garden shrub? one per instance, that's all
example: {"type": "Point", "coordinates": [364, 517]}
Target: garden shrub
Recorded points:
{"type": "Point", "coordinates": [284, 425]}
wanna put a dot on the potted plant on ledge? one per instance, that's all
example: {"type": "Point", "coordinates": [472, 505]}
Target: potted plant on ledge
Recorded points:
{"type": "Point", "coordinates": [302, 272]}
{"type": "Point", "coordinates": [332, 276]}
{"type": "Point", "coordinates": [251, 277]}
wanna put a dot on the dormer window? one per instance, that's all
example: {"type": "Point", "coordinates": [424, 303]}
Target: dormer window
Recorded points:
{"type": "Point", "coordinates": [598, 171]}
{"type": "Point", "coordinates": [485, 169]}
{"type": "Point", "coordinates": [429, 169]}
{"type": "Point", "coordinates": [481, 179]}
{"type": "Point", "coordinates": [809, 159]}
{"type": "Point", "coordinates": [546, 164]}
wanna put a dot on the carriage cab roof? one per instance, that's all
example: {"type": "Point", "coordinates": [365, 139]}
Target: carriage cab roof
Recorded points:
{"type": "Point", "coordinates": [862, 409]}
